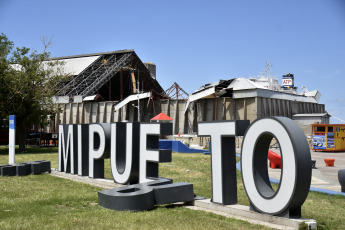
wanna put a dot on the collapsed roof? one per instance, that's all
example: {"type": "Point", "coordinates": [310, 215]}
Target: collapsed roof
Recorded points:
{"type": "Point", "coordinates": [244, 88]}
{"type": "Point", "coordinates": [113, 75]}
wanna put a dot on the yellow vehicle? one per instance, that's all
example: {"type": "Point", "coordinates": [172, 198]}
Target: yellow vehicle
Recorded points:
{"type": "Point", "coordinates": [328, 137]}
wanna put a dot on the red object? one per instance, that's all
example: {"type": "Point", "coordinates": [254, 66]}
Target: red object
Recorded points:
{"type": "Point", "coordinates": [329, 162]}
{"type": "Point", "coordinates": [178, 134]}
{"type": "Point", "coordinates": [275, 160]}
{"type": "Point", "coordinates": [162, 117]}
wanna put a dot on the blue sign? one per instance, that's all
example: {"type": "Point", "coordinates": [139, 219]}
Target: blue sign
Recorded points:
{"type": "Point", "coordinates": [319, 142]}
{"type": "Point", "coordinates": [12, 123]}
{"type": "Point", "coordinates": [11, 139]}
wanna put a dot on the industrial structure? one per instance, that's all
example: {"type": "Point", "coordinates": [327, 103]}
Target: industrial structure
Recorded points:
{"type": "Point", "coordinates": [109, 76]}
{"type": "Point", "coordinates": [117, 86]}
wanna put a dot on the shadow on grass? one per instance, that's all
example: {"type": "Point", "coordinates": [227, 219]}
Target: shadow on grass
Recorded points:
{"type": "Point", "coordinates": [171, 206]}
{"type": "Point", "coordinates": [30, 150]}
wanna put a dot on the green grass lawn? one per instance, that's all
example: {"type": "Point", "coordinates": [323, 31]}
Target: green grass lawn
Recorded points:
{"type": "Point", "coordinates": [44, 201]}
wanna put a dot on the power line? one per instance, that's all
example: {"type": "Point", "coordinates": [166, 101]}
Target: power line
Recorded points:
{"type": "Point", "coordinates": [338, 119]}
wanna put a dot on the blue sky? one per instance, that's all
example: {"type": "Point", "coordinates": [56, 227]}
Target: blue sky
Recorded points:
{"type": "Point", "coordinates": [198, 42]}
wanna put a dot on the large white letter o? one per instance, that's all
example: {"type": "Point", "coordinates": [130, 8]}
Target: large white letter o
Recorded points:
{"type": "Point", "coordinates": [296, 165]}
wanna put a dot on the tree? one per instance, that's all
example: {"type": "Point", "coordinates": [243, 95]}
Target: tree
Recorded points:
{"type": "Point", "coordinates": [28, 80]}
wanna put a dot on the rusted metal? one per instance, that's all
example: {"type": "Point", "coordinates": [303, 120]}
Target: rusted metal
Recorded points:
{"type": "Point", "coordinates": [176, 92]}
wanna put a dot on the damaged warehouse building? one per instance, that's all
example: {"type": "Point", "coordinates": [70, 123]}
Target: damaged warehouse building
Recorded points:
{"type": "Point", "coordinates": [117, 86]}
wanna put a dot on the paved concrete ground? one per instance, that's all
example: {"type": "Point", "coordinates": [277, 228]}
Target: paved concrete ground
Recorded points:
{"type": "Point", "coordinates": [322, 177]}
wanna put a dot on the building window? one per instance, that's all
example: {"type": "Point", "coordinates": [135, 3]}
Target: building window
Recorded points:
{"type": "Point", "coordinates": [319, 129]}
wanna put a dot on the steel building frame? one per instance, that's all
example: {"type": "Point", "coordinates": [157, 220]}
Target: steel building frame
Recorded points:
{"type": "Point", "coordinates": [103, 69]}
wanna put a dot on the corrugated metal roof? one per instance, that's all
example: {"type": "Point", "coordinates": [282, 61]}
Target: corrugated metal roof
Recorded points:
{"type": "Point", "coordinates": [92, 54]}
{"type": "Point", "coordinates": [72, 66]}
{"type": "Point", "coordinates": [243, 83]}
{"type": "Point", "coordinates": [75, 66]}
